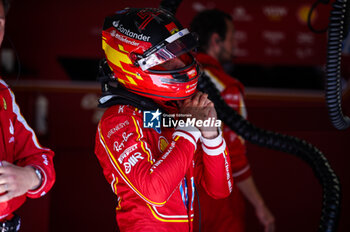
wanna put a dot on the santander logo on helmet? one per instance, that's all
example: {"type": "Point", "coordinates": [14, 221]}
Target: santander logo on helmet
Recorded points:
{"type": "Point", "coordinates": [116, 23]}
{"type": "Point", "coordinates": [131, 34]}
{"type": "Point", "coordinates": [148, 52]}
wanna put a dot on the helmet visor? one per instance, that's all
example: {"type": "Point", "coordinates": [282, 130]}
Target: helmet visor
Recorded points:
{"type": "Point", "coordinates": [175, 45]}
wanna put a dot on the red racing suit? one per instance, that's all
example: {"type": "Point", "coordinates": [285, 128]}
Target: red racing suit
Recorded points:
{"type": "Point", "coordinates": [154, 174]}
{"type": "Point", "coordinates": [226, 214]}
{"type": "Point", "coordinates": [19, 145]}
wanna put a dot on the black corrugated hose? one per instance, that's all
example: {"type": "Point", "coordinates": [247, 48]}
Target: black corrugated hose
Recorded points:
{"type": "Point", "coordinates": [333, 84]}
{"type": "Point", "coordinates": [292, 145]}
{"type": "Point", "coordinates": [311, 155]}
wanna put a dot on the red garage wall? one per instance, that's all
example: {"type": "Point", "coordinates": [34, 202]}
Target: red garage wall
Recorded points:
{"type": "Point", "coordinates": [270, 32]}
{"type": "Point", "coordinates": [82, 195]}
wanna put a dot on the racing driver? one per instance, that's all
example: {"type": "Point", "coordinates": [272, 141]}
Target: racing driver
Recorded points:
{"type": "Point", "coordinates": [153, 170]}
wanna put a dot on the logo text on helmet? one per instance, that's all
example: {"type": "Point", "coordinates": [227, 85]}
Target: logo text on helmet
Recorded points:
{"type": "Point", "coordinates": [116, 23]}
{"type": "Point", "coordinates": [123, 38]}
{"type": "Point", "coordinates": [133, 35]}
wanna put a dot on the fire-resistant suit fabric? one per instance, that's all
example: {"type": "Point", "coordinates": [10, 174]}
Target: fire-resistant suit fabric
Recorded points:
{"type": "Point", "coordinates": [154, 173]}
{"type": "Point", "coordinates": [225, 214]}
{"type": "Point", "coordinates": [19, 145]}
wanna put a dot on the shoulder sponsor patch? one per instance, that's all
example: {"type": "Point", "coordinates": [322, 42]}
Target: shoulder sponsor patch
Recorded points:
{"type": "Point", "coordinates": [126, 152]}
{"type": "Point", "coordinates": [117, 128]}
{"type": "Point", "coordinates": [132, 161]}
{"type": "Point", "coordinates": [162, 144]}
{"type": "Point", "coordinates": [118, 146]}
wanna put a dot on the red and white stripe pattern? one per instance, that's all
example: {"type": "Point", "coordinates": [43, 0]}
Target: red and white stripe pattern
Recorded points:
{"type": "Point", "coordinates": [188, 132]}
{"type": "Point", "coordinates": [214, 146]}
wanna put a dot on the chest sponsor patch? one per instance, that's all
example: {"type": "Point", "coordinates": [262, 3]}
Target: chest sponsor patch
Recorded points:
{"type": "Point", "coordinates": [117, 128]}
{"type": "Point", "coordinates": [162, 144]}
{"type": "Point", "coordinates": [118, 146]}
{"type": "Point", "coordinates": [132, 161]}
{"type": "Point", "coordinates": [126, 152]}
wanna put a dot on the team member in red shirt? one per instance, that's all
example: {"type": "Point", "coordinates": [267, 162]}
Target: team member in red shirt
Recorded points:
{"type": "Point", "coordinates": [216, 43]}
{"type": "Point", "coordinates": [151, 167]}
{"type": "Point", "coordinates": [26, 168]}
